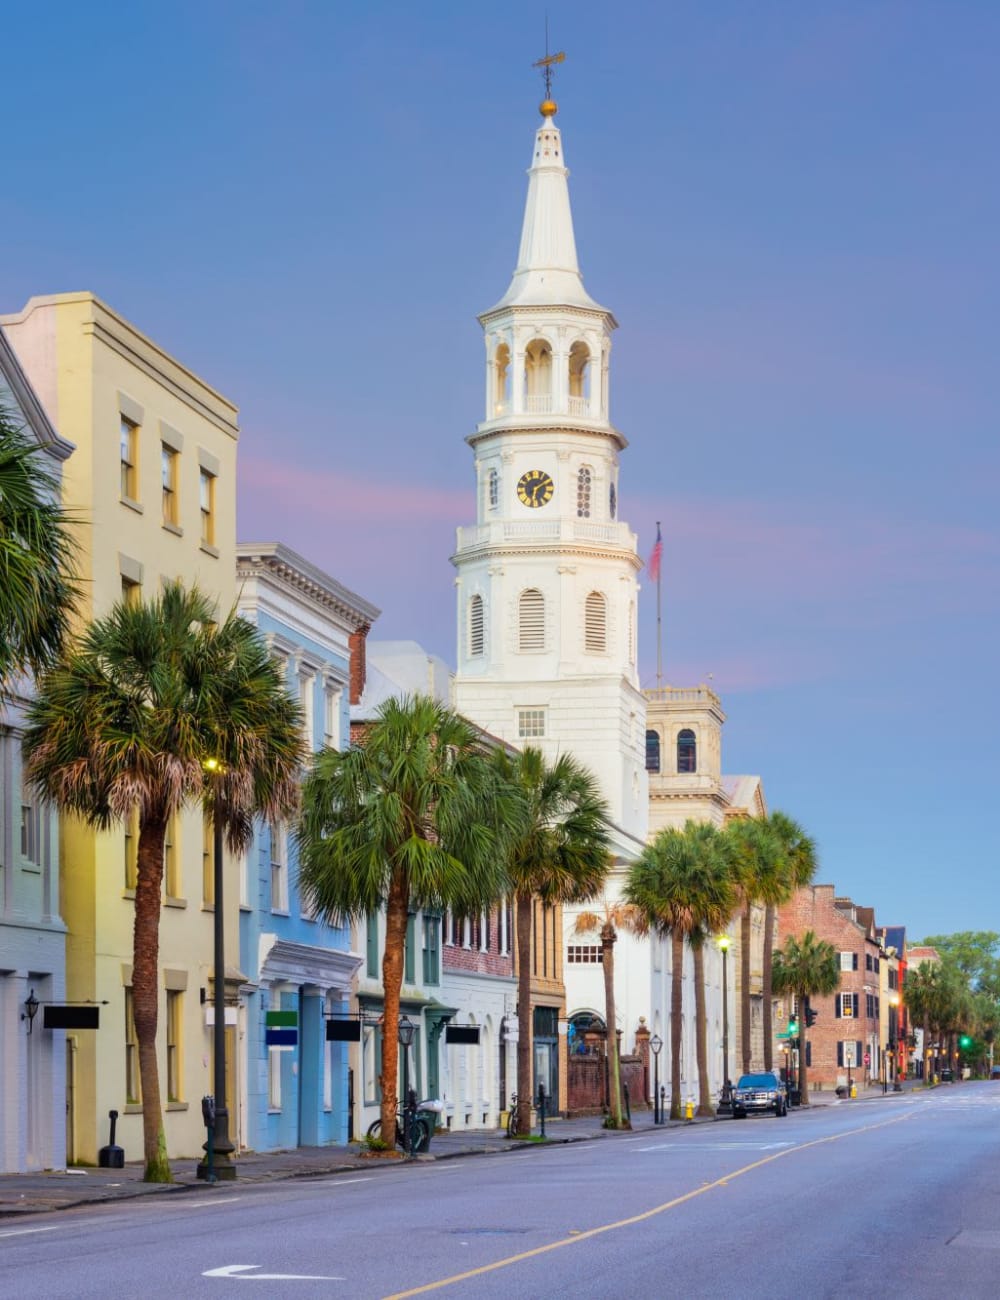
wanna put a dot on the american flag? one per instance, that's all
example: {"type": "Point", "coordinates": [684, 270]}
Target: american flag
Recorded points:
{"type": "Point", "coordinates": [655, 556]}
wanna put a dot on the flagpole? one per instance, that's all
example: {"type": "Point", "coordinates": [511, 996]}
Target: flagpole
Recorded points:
{"type": "Point", "coordinates": [659, 619]}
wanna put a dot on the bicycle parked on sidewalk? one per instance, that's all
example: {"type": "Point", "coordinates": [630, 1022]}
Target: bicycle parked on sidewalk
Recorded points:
{"type": "Point", "coordinates": [420, 1135]}
{"type": "Point", "coordinates": [513, 1124]}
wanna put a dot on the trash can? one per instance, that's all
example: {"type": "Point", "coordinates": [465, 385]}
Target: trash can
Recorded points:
{"type": "Point", "coordinates": [428, 1111]}
{"type": "Point", "coordinates": [795, 1096]}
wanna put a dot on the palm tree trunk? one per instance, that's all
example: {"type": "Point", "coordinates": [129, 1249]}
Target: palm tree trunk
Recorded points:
{"type": "Point", "coordinates": [766, 1009]}
{"type": "Point", "coordinates": [803, 1080]}
{"type": "Point", "coordinates": [608, 937]}
{"type": "Point", "coordinates": [676, 1008]}
{"type": "Point", "coordinates": [926, 1047]}
{"type": "Point", "coordinates": [745, 933]}
{"type": "Point", "coordinates": [146, 993]}
{"type": "Point", "coordinates": [701, 1033]}
{"type": "Point", "coordinates": [525, 908]}
{"type": "Point", "coordinates": [396, 914]}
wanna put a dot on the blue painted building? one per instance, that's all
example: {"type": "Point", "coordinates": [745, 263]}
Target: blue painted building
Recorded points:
{"type": "Point", "coordinates": [297, 972]}
{"type": "Point", "coordinates": [35, 1113]}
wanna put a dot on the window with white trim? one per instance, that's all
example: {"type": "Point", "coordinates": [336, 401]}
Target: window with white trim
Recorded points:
{"type": "Point", "coordinates": [848, 961]}
{"type": "Point", "coordinates": [331, 715]}
{"type": "Point", "coordinates": [206, 506]}
{"type": "Point", "coordinates": [596, 623]}
{"type": "Point", "coordinates": [477, 635]}
{"type": "Point", "coordinates": [168, 483]}
{"type": "Point", "coordinates": [129, 442]}
{"type": "Point", "coordinates": [279, 867]}
{"type": "Point", "coordinates": [584, 954]}
{"type": "Point", "coordinates": [531, 620]}
{"type": "Point", "coordinates": [530, 724]}
{"type": "Point", "coordinates": [307, 682]}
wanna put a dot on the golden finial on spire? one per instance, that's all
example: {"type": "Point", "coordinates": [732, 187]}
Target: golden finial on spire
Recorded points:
{"type": "Point", "coordinates": [548, 107]}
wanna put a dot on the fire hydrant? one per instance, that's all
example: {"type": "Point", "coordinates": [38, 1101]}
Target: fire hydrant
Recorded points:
{"type": "Point", "coordinates": [689, 1108]}
{"type": "Point", "coordinates": [854, 1089]}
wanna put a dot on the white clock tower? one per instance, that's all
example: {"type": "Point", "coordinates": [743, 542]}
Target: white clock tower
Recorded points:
{"type": "Point", "coordinates": [546, 579]}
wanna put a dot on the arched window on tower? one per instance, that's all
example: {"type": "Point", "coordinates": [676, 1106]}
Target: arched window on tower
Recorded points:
{"type": "Point", "coordinates": [613, 501]}
{"type": "Point", "coordinates": [652, 751]}
{"type": "Point", "coordinates": [493, 489]}
{"type": "Point", "coordinates": [531, 620]}
{"type": "Point", "coordinates": [584, 479]}
{"type": "Point", "coordinates": [687, 751]}
{"type": "Point", "coordinates": [596, 623]}
{"type": "Point", "coordinates": [501, 380]}
{"type": "Point", "coordinates": [477, 639]}
{"type": "Point", "coordinates": [579, 379]}
{"type": "Point", "coordinates": [538, 378]}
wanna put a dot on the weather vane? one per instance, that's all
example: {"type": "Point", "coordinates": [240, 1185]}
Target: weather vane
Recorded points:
{"type": "Point", "coordinates": [548, 107]}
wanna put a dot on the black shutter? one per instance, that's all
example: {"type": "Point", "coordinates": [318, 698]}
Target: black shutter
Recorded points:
{"type": "Point", "coordinates": [840, 1054]}
{"type": "Point", "coordinates": [836, 1009]}
{"type": "Point", "coordinates": [855, 961]}
{"type": "Point", "coordinates": [855, 998]}
{"type": "Point", "coordinates": [809, 1054]}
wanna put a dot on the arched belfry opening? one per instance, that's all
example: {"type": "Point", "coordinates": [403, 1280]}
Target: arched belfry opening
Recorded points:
{"type": "Point", "coordinates": [579, 379]}
{"type": "Point", "coordinates": [501, 380]}
{"type": "Point", "coordinates": [538, 377]}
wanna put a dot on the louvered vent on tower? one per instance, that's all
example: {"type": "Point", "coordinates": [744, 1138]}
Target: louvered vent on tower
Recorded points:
{"type": "Point", "coordinates": [531, 621]}
{"type": "Point", "coordinates": [476, 637]}
{"type": "Point", "coordinates": [596, 623]}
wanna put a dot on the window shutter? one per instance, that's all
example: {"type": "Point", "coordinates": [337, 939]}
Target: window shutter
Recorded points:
{"type": "Point", "coordinates": [836, 1008]}
{"type": "Point", "coordinates": [531, 631]}
{"type": "Point", "coordinates": [476, 639]}
{"type": "Point", "coordinates": [840, 1053]}
{"type": "Point", "coordinates": [859, 1053]}
{"type": "Point", "coordinates": [809, 1054]}
{"type": "Point", "coordinates": [854, 999]}
{"type": "Point", "coordinates": [596, 623]}
{"type": "Point", "coordinates": [855, 956]}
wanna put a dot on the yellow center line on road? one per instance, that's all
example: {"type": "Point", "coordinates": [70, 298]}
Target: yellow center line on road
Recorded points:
{"type": "Point", "coordinates": [575, 1238]}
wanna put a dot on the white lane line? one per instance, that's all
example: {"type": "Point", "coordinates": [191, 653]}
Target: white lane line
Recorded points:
{"type": "Point", "coordinates": [717, 1146]}
{"type": "Point", "coordinates": [242, 1271]}
{"type": "Point", "coordinates": [197, 1205]}
{"type": "Point", "coordinates": [23, 1232]}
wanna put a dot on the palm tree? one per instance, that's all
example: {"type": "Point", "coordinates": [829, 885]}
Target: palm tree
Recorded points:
{"type": "Point", "coordinates": [920, 993]}
{"type": "Point", "coordinates": [415, 817]}
{"type": "Point", "coordinates": [682, 884]}
{"type": "Point", "coordinates": [796, 868]}
{"type": "Point", "coordinates": [805, 967]}
{"type": "Point", "coordinates": [129, 718]}
{"type": "Point", "coordinates": [558, 855]}
{"type": "Point", "coordinates": [761, 876]}
{"type": "Point", "coordinates": [37, 589]}
{"type": "Point", "coordinates": [612, 918]}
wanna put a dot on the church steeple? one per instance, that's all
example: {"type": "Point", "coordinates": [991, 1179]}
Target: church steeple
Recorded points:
{"type": "Point", "coordinates": [547, 271]}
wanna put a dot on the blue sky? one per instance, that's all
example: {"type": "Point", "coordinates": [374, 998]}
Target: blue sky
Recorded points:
{"type": "Point", "coordinates": [791, 209]}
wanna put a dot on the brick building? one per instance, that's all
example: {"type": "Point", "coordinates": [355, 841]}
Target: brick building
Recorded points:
{"type": "Point", "coordinates": [845, 1043]}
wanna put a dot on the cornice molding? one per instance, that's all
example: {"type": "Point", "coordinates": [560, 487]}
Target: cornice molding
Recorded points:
{"type": "Point", "coordinates": [559, 425]}
{"type": "Point", "coordinates": [579, 549]}
{"type": "Point", "coordinates": [297, 576]}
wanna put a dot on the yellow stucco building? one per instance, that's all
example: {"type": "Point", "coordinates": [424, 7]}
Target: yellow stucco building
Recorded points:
{"type": "Point", "coordinates": [153, 486]}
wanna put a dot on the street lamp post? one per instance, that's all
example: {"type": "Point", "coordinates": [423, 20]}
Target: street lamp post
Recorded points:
{"type": "Point", "coordinates": [405, 1035]}
{"type": "Point", "coordinates": [726, 1099]}
{"type": "Point", "coordinates": [219, 1162]}
{"type": "Point", "coordinates": [655, 1043]}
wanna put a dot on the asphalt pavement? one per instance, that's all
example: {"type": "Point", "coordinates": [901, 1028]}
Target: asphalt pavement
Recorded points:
{"type": "Point", "coordinates": [43, 1192]}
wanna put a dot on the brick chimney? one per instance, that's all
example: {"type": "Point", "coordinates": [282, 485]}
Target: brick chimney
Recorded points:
{"type": "Point", "coordinates": [359, 668]}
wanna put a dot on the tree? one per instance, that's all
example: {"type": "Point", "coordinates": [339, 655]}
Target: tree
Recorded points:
{"type": "Point", "coordinates": [682, 884]}
{"type": "Point", "coordinates": [415, 817]}
{"type": "Point", "coordinates": [559, 854]}
{"type": "Point", "coordinates": [37, 586]}
{"type": "Point", "coordinates": [798, 868]}
{"type": "Point", "coordinates": [128, 719]}
{"type": "Point", "coordinates": [920, 993]}
{"type": "Point", "coordinates": [805, 967]}
{"type": "Point", "coordinates": [762, 875]}
{"type": "Point", "coordinates": [612, 918]}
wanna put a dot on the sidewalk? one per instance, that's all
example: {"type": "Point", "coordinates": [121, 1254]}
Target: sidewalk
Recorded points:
{"type": "Point", "coordinates": [44, 1192]}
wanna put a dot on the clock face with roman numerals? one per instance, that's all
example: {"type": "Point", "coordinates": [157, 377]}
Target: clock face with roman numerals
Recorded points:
{"type": "Point", "coordinates": [535, 488]}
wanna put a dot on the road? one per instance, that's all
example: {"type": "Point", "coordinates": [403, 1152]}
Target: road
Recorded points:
{"type": "Point", "coordinates": [898, 1196]}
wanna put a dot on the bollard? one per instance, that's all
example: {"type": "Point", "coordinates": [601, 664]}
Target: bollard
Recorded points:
{"type": "Point", "coordinates": [628, 1106]}
{"type": "Point", "coordinates": [541, 1108]}
{"type": "Point", "coordinates": [663, 1103]}
{"type": "Point", "coordinates": [111, 1156]}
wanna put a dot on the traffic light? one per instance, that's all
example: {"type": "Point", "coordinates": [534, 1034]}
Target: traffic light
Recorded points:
{"type": "Point", "coordinates": [810, 1017]}
{"type": "Point", "coordinates": [965, 1041]}
{"type": "Point", "coordinates": [793, 1027]}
